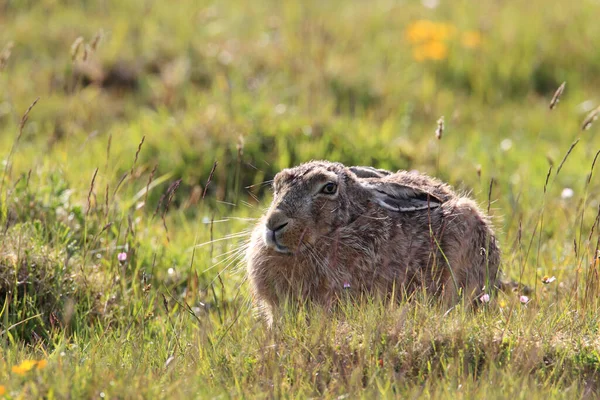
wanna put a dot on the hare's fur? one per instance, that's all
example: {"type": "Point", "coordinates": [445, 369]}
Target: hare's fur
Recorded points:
{"type": "Point", "coordinates": [380, 233]}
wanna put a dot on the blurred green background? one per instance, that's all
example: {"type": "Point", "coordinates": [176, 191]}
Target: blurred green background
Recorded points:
{"type": "Point", "coordinates": [358, 82]}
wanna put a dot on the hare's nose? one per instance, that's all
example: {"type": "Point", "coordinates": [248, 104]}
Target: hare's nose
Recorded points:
{"type": "Point", "coordinates": [277, 222]}
{"type": "Point", "coordinates": [278, 228]}
{"type": "Point", "coordinates": [275, 227]}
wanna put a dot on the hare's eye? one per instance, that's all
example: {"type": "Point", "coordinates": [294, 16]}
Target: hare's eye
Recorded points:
{"type": "Point", "coordinates": [329, 188]}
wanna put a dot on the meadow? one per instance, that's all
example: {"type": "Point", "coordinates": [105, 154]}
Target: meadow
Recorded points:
{"type": "Point", "coordinates": [138, 139]}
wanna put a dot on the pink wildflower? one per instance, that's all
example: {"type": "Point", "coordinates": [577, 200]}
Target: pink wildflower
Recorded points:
{"type": "Point", "coordinates": [122, 257]}
{"type": "Point", "coordinates": [524, 299]}
{"type": "Point", "coordinates": [485, 298]}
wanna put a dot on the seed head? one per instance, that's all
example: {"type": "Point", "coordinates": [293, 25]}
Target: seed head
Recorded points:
{"type": "Point", "coordinates": [75, 48]}
{"type": "Point", "coordinates": [557, 94]}
{"type": "Point", "coordinates": [5, 54]}
{"type": "Point", "coordinates": [589, 120]}
{"type": "Point", "coordinates": [440, 128]}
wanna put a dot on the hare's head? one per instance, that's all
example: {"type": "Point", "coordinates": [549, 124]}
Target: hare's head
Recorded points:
{"type": "Point", "coordinates": [309, 201]}
{"type": "Point", "coordinates": [314, 199]}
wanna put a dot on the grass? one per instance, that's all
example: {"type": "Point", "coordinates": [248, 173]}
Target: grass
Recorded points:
{"type": "Point", "coordinates": [118, 156]}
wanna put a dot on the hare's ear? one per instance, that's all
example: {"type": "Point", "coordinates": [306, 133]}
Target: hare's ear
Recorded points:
{"type": "Point", "coordinates": [369, 172]}
{"type": "Point", "coordinates": [401, 198]}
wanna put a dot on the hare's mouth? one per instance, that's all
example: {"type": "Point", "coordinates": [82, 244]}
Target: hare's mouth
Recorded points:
{"type": "Point", "coordinates": [282, 249]}
{"type": "Point", "coordinates": [279, 248]}
{"type": "Point", "coordinates": [271, 240]}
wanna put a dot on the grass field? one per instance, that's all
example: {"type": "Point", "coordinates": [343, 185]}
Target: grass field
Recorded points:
{"type": "Point", "coordinates": [121, 243]}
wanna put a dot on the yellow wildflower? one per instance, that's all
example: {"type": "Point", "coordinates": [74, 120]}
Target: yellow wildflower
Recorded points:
{"type": "Point", "coordinates": [2, 390]}
{"type": "Point", "coordinates": [24, 367]}
{"type": "Point", "coordinates": [471, 39]}
{"type": "Point", "coordinates": [423, 30]}
{"type": "Point", "coordinates": [430, 51]}
{"type": "Point", "coordinates": [28, 365]}
{"type": "Point", "coordinates": [419, 31]}
{"type": "Point", "coordinates": [436, 50]}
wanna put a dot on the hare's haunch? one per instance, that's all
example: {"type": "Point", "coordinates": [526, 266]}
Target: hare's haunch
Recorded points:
{"type": "Point", "coordinates": [332, 229]}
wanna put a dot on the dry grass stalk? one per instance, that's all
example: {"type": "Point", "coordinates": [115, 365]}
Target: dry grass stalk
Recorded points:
{"type": "Point", "coordinates": [492, 181]}
{"type": "Point", "coordinates": [108, 149]}
{"type": "Point", "coordinates": [160, 203]}
{"type": "Point", "coordinates": [149, 182]}
{"type": "Point", "coordinates": [89, 198]}
{"type": "Point", "coordinates": [96, 40]}
{"type": "Point", "coordinates": [119, 183]}
{"type": "Point", "coordinates": [566, 156]}
{"type": "Point", "coordinates": [106, 201]}
{"type": "Point", "coordinates": [592, 278]}
{"type": "Point", "coordinates": [22, 123]}
{"type": "Point", "coordinates": [594, 225]}
{"type": "Point", "coordinates": [440, 128]}
{"type": "Point", "coordinates": [137, 153]}
{"type": "Point", "coordinates": [557, 94]}
{"type": "Point", "coordinates": [592, 168]}
{"type": "Point", "coordinates": [5, 54]}
{"type": "Point", "coordinates": [548, 178]}
{"type": "Point", "coordinates": [589, 120]}
{"type": "Point", "coordinates": [212, 171]}
{"type": "Point", "coordinates": [87, 50]}
{"type": "Point", "coordinates": [75, 48]}
{"type": "Point", "coordinates": [105, 227]}
{"type": "Point", "coordinates": [170, 193]}
{"type": "Point", "coordinates": [26, 117]}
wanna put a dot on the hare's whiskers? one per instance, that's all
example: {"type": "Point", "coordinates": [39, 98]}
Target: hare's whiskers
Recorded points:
{"type": "Point", "coordinates": [236, 254]}
{"type": "Point", "coordinates": [229, 219]}
{"type": "Point", "coordinates": [234, 260]}
{"type": "Point", "coordinates": [318, 259]}
{"type": "Point", "coordinates": [226, 203]}
{"type": "Point", "coordinates": [228, 237]}
{"type": "Point", "coordinates": [226, 253]}
{"type": "Point", "coordinates": [237, 290]}
{"type": "Point", "coordinates": [332, 240]}
{"type": "Point", "coordinates": [265, 183]}
{"type": "Point", "coordinates": [253, 196]}
{"type": "Point", "coordinates": [247, 204]}
{"type": "Point", "coordinates": [239, 219]}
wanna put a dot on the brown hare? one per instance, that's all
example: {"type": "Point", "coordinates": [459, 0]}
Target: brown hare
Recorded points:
{"type": "Point", "coordinates": [333, 229]}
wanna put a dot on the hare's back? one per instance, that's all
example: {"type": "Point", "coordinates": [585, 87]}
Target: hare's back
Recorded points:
{"type": "Point", "coordinates": [427, 183]}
